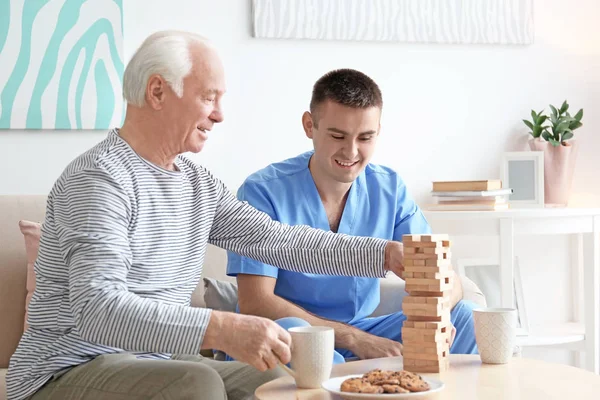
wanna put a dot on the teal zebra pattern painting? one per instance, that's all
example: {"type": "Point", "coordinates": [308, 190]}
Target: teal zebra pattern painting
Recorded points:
{"type": "Point", "coordinates": [61, 64]}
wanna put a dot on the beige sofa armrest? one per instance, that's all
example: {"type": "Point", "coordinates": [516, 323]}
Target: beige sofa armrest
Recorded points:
{"type": "Point", "coordinates": [392, 293]}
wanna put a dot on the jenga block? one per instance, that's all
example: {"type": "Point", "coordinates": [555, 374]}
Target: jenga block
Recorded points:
{"type": "Point", "coordinates": [433, 300]}
{"type": "Point", "coordinates": [426, 293]}
{"type": "Point", "coordinates": [424, 335]}
{"type": "Point", "coordinates": [411, 238]}
{"type": "Point", "coordinates": [445, 262]}
{"type": "Point", "coordinates": [438, 318]}
{"type": "Point", "coordinates": [428, 285]}
{"type": "Point", "coordinates": [424, 281]}
{"type": "Point", "coordinates": [436, 250]}
{"type": "Point", "coordinates": [419, 275]}
{"type": "Point", "coordinates": [438, 275]}
{"type": "Point", "coordinates": [406, 274]}
{"type": "Point", "coordinates": [434, 238]}
{"type": "Point", "coordinates": [424, 310]}
{"type": "Point", "coordinates": [408, 362]}
{"type": "Point", "coordinates": [446, 243]}
{"type": "Point", "coordinates": [441, 326]}
{"type": "Point", "coordinates": [422, 356]}
{"type": "Point", "coordinates": [417, 268]}
{"type": "Point", "coordinates": [424, 245]}
{"type": "Point", "coordinates": [415, 300]}
{"type": "Point", "coordinates": [424, 256]}
{"type": "Point", "coordinates": [426, 369]}
{"type": "Point", "coordinates": [410, 250]}
{"type": "Point", "coordinates": [416, 288]}
{"type": "Point", "coordinates": [438, 347]}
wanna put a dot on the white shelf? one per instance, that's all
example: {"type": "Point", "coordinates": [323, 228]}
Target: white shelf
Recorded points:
{"type": "Point", "coordinates": [569, 332]}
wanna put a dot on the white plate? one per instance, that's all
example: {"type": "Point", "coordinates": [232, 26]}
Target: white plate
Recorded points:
{"type": "Point", "coordinates": [333, 385]}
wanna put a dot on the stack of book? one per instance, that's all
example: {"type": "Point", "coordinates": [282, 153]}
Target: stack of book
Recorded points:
{"type": "Point", "coordinates": [487, 195]}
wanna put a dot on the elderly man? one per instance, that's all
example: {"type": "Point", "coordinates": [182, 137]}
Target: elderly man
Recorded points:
{"type": "Point", "coordinates": [126, 230]}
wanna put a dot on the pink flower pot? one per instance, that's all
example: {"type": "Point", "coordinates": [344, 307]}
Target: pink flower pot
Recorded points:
{"type": "Point", "coordinates": [559, 164]}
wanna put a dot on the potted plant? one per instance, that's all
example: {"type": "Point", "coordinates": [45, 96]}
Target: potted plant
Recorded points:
{"type": "Point", "coordinates": [553, 134]}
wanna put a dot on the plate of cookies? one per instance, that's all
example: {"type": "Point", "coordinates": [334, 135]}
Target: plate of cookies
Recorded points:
{"type": "Point", "coordinates": [382, 384]}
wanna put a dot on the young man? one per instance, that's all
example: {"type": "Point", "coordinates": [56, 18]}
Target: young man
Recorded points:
{"type": "Point", "coordinates": [335, 188]}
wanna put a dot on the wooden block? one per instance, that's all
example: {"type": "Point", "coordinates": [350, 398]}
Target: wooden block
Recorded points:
{"type": "Point", "coordinates": [436, 250]}
{"type": "Point", "coordinates": [411, 238]}
{"type": "Point", "coordinates": [422, 356]}
{"type": "Point", "coordinates": [423, 281]}
{"type": "Point", "coordinates": [424, 245]}
{"type": "Point", "coordinates": [433, 346]}
{"type": "Point", "coordinates": [418, 334]}
{"type": "Point", "coordinates": [434, 300]}
{"type": "Point", "coordinates": [415, 300]}
{"type": "Point", "coordinates": [418, 275]}
{"type": "Point", "coordinates": [425, 369]}
{"type": "Point", "coordinates": [410, 250]}
{"type": "Point", "coordinates": [427, 293]}
{"type": "Point", "coordinates": [441, 326]}
{"type": "Point", "coordinates": [428, 285]}
{"type": "Point", "coordinates": [438, 275]}
{"type": "Point", "coordinates": [424, 256]}
{"type": "Point", "coordinates": [419, 263]}
{"type": "Point", "coordinates": [416, 288]}
{"type": "Point", "coordinates": [446, 243]}
{"type": "Point", "coordinates": [439, 262]}
{"type": "Point", "coordinates": [434, 238]}
{"type": "Point", "coordinates": [408, 362]}
{"type": "Point", "coordinates": [422, 268]}
{"type": "Point", "coordinates": [407, 275]}
{"type": "Point", "coordinates": [438, 318]}
{"type": "Point", "coordinates": [424, 310]}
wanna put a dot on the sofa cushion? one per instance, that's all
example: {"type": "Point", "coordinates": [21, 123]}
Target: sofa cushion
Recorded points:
{"type": "Point", "coordinates": [31, 232]}
{"type": "Point", "coordinates": [220, 295]}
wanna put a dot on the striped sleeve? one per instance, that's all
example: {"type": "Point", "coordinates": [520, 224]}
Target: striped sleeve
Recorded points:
{"type": "Point", "coordinates": [244, 230]}
{"type": "Point", "coordinates": [91, 217]}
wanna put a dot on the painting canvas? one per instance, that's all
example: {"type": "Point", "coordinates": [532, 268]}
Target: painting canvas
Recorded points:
{"type": "Point", "coordinates": [61, 64]}
{"type": "Point", "coordinates": [418, 21]}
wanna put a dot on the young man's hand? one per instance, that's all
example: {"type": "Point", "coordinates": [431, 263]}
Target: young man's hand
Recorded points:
{"type": "Point", "coordinates": [369, 346]}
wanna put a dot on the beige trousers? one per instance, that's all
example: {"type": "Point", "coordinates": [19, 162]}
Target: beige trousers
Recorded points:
{"type": "Point", "coordinates": [125, 377]}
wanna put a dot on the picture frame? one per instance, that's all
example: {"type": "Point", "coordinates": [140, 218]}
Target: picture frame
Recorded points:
{"type": "Point", "coordinates": [485, 273]}
{"type": "Point", "coordinates": [523, 172]}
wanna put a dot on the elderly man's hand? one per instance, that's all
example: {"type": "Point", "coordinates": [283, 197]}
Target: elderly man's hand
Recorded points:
{"type": "Point", "coordinates": [257, 341]}
{"type": "Point", "coordinates": [394, 258]}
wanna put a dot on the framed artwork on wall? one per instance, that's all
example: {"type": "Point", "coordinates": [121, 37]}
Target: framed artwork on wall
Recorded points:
{"type": "Point", "coordinates": [416, 21]}
{"type": "Point", "coordinates": [61, 64]}
{"type": "Point", "coordinates": [523, 172]}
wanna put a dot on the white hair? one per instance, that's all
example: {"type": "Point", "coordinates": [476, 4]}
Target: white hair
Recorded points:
{"type": "Point", "coordinates": [166, 53]}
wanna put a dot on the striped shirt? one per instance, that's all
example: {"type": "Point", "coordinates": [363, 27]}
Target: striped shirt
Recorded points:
{"type": "Point", "coordinates": [121, 252]}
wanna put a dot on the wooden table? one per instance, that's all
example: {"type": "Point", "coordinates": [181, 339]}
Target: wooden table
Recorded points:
{"type": "Point", "coordinates": [467, 379]}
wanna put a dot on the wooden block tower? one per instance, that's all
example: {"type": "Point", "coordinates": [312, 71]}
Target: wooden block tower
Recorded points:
{"type": "Point", "coordinates": [427, 329]}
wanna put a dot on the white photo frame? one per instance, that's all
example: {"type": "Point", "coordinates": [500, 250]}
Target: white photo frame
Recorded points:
{"type": "Point", "coordinates": [523, 172]}
{"type": "Point", "coordinates": [485, 273]}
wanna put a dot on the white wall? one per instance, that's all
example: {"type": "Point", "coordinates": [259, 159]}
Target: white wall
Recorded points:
{"type": "Point", "coordinates": [449, 110]}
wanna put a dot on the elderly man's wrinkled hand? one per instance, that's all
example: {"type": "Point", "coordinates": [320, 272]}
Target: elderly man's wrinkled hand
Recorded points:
{"type": "Point", "coordinates": [394, 258]}
{"type": "Point", "coordinates": [257, 341]}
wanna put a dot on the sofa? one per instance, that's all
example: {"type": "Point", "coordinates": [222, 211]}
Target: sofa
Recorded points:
{"type": "Point", "coordinates": [13, 278]}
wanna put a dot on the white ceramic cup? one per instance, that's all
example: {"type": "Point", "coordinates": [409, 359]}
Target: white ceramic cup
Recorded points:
{"type": "Point", "coordinates": [312, 355]}
{"type": "Point", "coordinates": [495, 334]}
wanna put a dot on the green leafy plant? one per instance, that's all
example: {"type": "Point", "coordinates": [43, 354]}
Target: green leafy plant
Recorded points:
{"type": "Point", "coordinates": [561, 124]}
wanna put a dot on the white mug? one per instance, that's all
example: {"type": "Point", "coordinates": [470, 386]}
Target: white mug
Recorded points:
{"type": "Point", "coordinates": [495, 334]}
{"type": "Point", "coordinates": [312, 355]}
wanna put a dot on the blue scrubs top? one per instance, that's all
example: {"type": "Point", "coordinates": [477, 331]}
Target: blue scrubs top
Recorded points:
{"type": "Point", "coordinates": [378, 205]}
